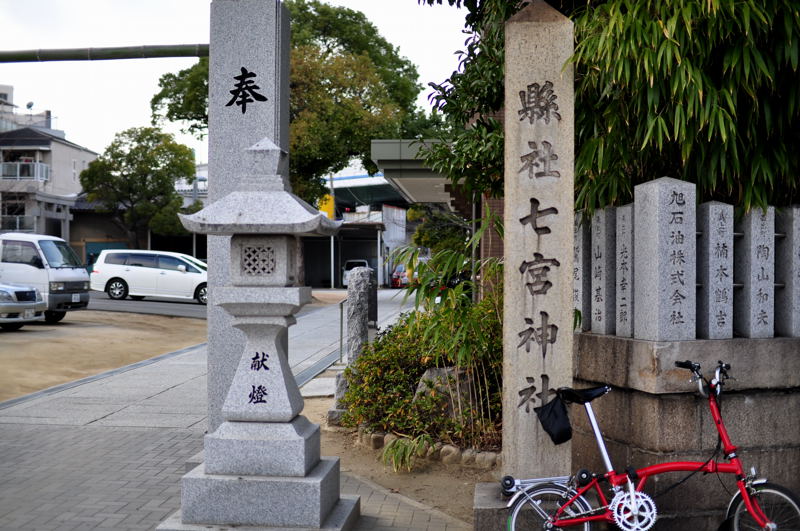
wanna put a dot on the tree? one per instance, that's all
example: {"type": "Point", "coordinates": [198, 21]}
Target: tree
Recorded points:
{"type": "Point", "coordinates": [705, 91]}
{"type": "Point", "coordinates": [439, 230]}
{"type": "Point", "coordinates": [375, 99]}
{"type": "Point", "coordinates": [701, 90]}
{"type": "Point", "coordinates": [134, 180]}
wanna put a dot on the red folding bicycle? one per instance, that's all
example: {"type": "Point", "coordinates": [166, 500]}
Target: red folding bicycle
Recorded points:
{"type": "Point", "coordinates": [580, 499]}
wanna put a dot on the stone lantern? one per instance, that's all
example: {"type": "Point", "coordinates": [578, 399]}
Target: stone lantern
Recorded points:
{"type": "Point", "coordinates": [262, 464]}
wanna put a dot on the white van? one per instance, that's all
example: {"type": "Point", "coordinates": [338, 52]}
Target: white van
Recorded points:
{"type": "Point", "coordinates": [48, 264]}
{"type": "Point", "coordinates": [137, 273]}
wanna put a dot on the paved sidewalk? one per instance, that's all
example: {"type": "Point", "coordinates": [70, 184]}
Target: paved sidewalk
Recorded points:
{"type": "Point", "coordinates": [108, 452]}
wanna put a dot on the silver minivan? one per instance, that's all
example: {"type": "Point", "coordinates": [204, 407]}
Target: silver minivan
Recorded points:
{"type": "Point", "coordinates": [138, 274]}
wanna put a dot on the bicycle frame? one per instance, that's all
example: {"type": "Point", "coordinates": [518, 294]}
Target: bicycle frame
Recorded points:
{"type": "Point", "coordinates": [618, 479]}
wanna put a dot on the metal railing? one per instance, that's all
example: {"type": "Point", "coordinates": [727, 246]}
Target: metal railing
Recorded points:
{"type": "Point", "coordinates": [25, 171]}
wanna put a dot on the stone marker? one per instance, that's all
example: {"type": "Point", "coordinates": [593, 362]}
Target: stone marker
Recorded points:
{"type": "Point", "coordinates": [624, 271]}
{"type": "Point", "coordinates": [754, 269]}
{"type": "Point", "coordinates": [715, 271]}
{"type": "Point", "coordinates": [787, 272]}
{"type": "Point", "coordinates": [581, 271]}
{"type": "Point", "coordinates": [665, 260]}
{"type": "Point", "coordinates": [358, 294]}
{"type": "Point", "coordinates": [248, 60]}
{"type": "Point", "coordinates": [262, 462]}
{"type": "Point", "coordinates": [359, 290]}
{"type": "Point", "coordinates": [604, 269]}
{"type": "Point", "coordinates": [539, 217]}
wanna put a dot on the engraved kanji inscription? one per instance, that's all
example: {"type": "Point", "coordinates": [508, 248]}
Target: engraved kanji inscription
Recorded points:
{"type": "Point", "coordinates": [244, 90]}
{"type": "Point", "coordinates": [539, 158]}
{"type": "Point", "coordinates": [538, 103]}
{"type": "Point", "coordinates": [532, 218]}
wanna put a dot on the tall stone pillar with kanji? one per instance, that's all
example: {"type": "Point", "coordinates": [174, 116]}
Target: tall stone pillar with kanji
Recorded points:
{"type": "Point", "coordinates": [539, 224]}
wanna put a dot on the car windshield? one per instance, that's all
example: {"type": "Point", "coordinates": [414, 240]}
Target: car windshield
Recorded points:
{"type": "Point", "coordinates": [59, 254]}
{"type": "Point", "coordinates": [351, 265]}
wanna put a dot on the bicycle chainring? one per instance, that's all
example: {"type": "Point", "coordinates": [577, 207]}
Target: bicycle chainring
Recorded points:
{"type": "Point", "coordinates": [628, 520]}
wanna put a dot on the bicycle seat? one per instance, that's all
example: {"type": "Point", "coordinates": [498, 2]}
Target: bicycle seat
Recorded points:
{"type": "Point", "coordinates": [582, 396]}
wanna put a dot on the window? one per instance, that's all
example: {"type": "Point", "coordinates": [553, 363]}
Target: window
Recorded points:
{"type": "Point", "coordinates": [59, 254]}
{"type": "Point", "coordinates": [17, 252]}
{"type": "Point", "coordinates": [142, 260]}
{"type": "Point", "coordinates": [116, 258]}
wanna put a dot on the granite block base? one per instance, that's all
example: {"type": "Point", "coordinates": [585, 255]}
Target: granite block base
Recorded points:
{"type": "Point", "coordinates": [343, 517]}
{"type": "Point", "coordinates": [261, 500]}
{"type": "Point", "coordinates": [489, 509]}
{"type": "Point", "coordinates": [263, 448]}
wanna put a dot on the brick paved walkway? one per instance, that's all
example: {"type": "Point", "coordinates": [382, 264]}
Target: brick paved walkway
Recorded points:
{"type": "Point", "coordinates": [108, 454]}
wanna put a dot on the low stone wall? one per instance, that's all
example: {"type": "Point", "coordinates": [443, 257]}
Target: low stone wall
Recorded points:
{"type": "Point", "coordinates": [448, 454]}
{"type": "Point", "coordinates": [654, 414]}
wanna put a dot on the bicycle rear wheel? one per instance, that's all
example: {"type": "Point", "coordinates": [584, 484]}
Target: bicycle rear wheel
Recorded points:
{"type": "Point", "coordinates": [527, 513]}
{"type": "Point", "coordinates": [779, 505]}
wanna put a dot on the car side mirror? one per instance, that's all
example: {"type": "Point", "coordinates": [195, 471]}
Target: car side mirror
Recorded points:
{"type": "Point", "coordinates": [37, 262]}
{"type": "Point", "coordinates": [182, 268]}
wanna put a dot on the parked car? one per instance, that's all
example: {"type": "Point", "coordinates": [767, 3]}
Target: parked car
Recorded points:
{"type": "Point", "coordinates": [20, 304]}
{"type": "Point", "coordinates": [48, 264]}
{"type": "Point", "coordinates": [138, 274]}
{"type": "Point", "coordinates": [400, 276]}
{"type": "Point", "coordinates": [351, 264]}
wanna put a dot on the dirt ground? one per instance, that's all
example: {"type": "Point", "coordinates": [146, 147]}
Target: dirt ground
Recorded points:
{"type": "Point", "coordinates": [86, 343]}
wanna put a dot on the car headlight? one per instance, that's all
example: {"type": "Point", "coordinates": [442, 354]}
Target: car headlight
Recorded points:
{"type": "Point", "coordinates": [56, 286]}
{"type": "Point", "coordinates": [85, 285]}
{"type": "Point", "coordinates": [6, 296]}
{"type": "Point", "coordinates": [38, 295]}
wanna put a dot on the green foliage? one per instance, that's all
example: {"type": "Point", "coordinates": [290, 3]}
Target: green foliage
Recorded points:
{"type": "Point", "coordinates": [336, 106]}
{"type": "Point", "coordinates": [473, 156]}
{"type": "Point", "coordinates": [401, 452]}
{"type": "Point", "coordinates": [183, 97]}
{"type": "Point", "coordinates": [702, 90]}
{"type": "Point", "coordinates": [452, 332]}
{"type": "Point", "coordinates": [439, 229]}
{"type": "Point", "coordinates": [382, 382]}
{"type": "Point", "coordinates": [134, 178]}
{"type": "Point", "coordinates": [348, 85]}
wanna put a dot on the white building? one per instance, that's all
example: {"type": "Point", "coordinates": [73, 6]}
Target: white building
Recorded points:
{"type": "Point", "coordinates": [39, 172]}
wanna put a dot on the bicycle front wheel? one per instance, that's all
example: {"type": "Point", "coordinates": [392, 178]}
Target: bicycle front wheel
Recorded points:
{"type": "Point", "coordinates": [540, 503]}
{"type": "Point", "coordinates": [780, 505]}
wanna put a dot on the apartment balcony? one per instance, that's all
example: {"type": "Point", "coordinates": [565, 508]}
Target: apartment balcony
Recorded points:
{"type": "Point", "coordinates": [17, 224]}
{"type": "Point", "coordinates": [25, 171]}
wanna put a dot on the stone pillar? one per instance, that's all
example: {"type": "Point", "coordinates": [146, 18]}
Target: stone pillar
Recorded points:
{"type": "Point", "coordinates": [604, 269]}
{"type": "Point", "coordinates": [624, 271]}
{"type": "Point", "coordinates": [754, 270]}
{"type": "Point", "coordinates": [539, 217]}
{"type": "Point", "coordinates": [358, 287]}
{"type": "Point", "coordinates": [665, 260]}
{"type": "Point", "coordinates": [787, 273]}
{"type": "Point", "coordinates": [715, 271]}
{"type": "Point", "coordinates": [249, 47]}
{"type": "Point", "coordinates": [581, 271]}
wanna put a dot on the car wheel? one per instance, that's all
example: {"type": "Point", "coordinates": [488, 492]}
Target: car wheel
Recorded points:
{"type": "Point", "coordinates": [10, 327]}
{"type": "Point", "coordinates": [201, 294]}
{"type": "Point", "coordinates": [53, 317]}
{"type": "Point", "coordinates": [137, 297]}
{"type": "Point", "coordinates": [117, 289]}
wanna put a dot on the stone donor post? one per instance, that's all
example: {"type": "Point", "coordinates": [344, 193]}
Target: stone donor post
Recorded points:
{"type": "Point", "coordinates": [358, 294]}
{"type": "Point", "coordinates": [262, 464]}
{"type": "Point", "coordinates": [539, 218]}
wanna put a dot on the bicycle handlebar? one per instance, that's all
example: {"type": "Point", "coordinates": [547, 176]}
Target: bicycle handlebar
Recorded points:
{"type": "Point", "coordinates": [687, 365]}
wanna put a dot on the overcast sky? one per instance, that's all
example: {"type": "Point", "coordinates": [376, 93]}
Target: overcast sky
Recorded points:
{"type": "Point", "coordinates": [93, 100]}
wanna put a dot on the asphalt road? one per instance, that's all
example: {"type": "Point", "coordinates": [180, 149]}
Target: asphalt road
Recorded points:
{"type": "Point", "coordinates": [151, 305]}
